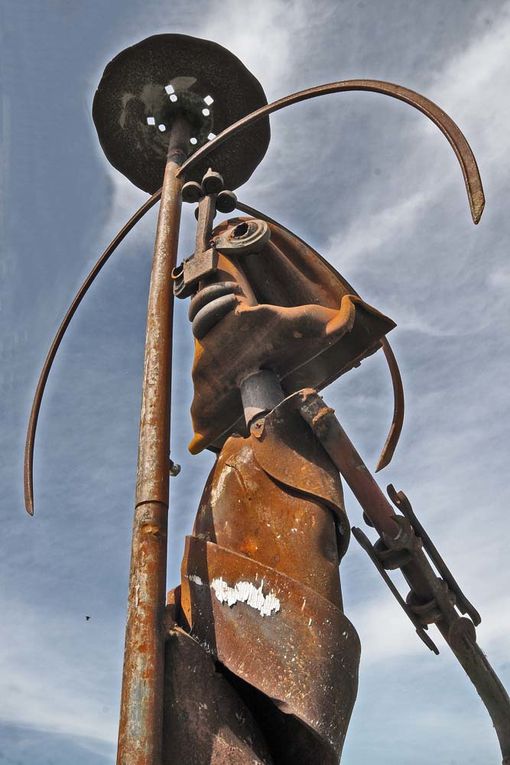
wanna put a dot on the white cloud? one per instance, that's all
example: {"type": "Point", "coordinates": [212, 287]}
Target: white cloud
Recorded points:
{"type": "Point", "coordinates": [448, 465]}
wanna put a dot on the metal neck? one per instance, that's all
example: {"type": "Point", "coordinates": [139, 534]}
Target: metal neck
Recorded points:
{"type": "Point", "coordinates": [260, 392]}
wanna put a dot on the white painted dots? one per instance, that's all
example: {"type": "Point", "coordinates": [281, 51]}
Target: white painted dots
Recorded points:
{"type": "Point", "coordinates": [171, 93]}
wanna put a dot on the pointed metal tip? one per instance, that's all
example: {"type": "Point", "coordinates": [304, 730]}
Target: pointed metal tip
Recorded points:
{"type": "Point", "coordinates": [383, 461]}
{"type": "Point", "coordinates": [477, 207]}
{"type": "Point", "coordinates": [387, 452]}
{"type": "Point", "coordinates": [29, 503]}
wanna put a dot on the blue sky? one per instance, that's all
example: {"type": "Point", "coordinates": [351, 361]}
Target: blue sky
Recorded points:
{"type": "Point", "coordinates": [376, 189]}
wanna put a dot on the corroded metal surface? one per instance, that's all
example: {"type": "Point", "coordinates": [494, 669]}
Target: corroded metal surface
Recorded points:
{"type": "Point", "coordinates": [204, 719]}
{"type": "Point", "coordinates": [303, 654]}
{"type": "Point", "coordinates": [140, 727]}
{"type": "Point", "coordinates": [260, 586]}
{"type": "Point", "coordinates": [397, 422]}
{"type": "Point", "coordinates": [306, 323]}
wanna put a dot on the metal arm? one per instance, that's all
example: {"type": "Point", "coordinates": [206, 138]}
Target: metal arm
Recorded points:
{"type": "Point", "coordinates": [431, 110]}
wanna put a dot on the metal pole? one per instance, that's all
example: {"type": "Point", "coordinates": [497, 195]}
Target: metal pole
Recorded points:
{"type": "Point", "coordinates": [140, 728]}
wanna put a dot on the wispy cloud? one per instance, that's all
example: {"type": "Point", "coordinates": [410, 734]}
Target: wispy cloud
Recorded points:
{"type": "Point", "coordinates": [378, 191]}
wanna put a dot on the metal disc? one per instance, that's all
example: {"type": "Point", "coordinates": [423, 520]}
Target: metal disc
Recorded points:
{"type": "Point", "coordinates": [147, 85]}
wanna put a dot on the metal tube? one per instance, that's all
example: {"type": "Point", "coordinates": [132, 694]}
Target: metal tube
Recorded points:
{"type": "Point", "coordinates": [140, 728]}
{"type": "Point", "coordinates": [260, 392]}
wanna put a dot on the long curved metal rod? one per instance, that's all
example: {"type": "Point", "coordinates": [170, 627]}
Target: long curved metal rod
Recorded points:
{"type": "Point", "coordinates": [445, 124]}
{"type": "Point", "coordinates": [397, 421]}
{"type": "Point", "coordinates": [438, 116]}
{"type": "Point", "coordinates": [43, 377]}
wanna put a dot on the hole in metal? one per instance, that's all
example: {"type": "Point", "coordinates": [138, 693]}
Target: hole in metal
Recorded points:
{"type": "Point", "coordinates": [209, 100]}
{"type": "Point", "coordinates": [193, 141]}
{"type": "Point", "coordinates": [162, 128]}
{"type": "Point", "coordinates": [151, 121]}
{"type": "Point", "coordinates": [241, 229]}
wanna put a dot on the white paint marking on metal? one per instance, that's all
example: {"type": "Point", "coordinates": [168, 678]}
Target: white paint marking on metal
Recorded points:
{"type": "Point", "coordinates": [246, 592]}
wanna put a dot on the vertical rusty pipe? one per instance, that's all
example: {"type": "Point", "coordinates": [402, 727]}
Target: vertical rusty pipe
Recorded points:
{"type": "Point", "coordinates": [140, 728]}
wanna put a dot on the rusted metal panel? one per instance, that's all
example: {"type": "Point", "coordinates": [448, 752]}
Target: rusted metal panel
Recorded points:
{"type": "Point", "coordinates": [278, 635]}
{"type": "Point", "coordinates": [205, 720]}
{"type": "Point", "coordinates": [306, 324]}
{"type": "Point", "coordinates": [260, 585]}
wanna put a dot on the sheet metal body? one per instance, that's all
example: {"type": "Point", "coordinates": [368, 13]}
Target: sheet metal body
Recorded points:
{"type": "Point", "coordinates": [283, 308]}
{"type": "Point", "coordinates": [260, 589]}
{"type": "Point", "coordinates": [205, 721]}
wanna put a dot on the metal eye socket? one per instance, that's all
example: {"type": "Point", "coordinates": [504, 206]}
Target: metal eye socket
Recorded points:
{"type": "Point", "coordinates": [240, 230]}
{"type": "Point", "coordinates": [245, 238]}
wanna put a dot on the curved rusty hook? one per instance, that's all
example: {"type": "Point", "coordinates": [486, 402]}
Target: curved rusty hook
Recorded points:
{"type": "Point", "coordinates": [438, 116]}
{"type": "Point", "coordinates": [445, 124]}
{"type": "Point", "coordinates": [28, 464]}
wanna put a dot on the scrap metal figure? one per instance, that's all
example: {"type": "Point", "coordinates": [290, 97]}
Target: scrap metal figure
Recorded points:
{"type": "Point", "coordinates": [260, 578]}
{"type": "Point", "coordinates": [253, 660]}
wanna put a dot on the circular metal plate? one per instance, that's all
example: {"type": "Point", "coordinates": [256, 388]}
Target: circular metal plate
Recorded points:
{"type": "Point", "coordinates": [148, 84]}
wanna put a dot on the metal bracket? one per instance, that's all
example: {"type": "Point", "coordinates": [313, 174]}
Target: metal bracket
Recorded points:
{"type": "Point", "coordinates": [400, 501]}
{"type": "Point", "coordinates": [366, 544]}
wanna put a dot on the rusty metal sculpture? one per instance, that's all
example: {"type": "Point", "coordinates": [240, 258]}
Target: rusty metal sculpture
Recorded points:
{"type": "Point", "coordinates": [252, 659]}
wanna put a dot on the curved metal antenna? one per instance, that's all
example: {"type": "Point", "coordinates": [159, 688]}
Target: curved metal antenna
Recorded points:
{"type": "Point", "coordinates": [432, 111]}
{"type": "Point", "coordinates": [397, 421]}
{"type": "Point", "coordinates": [445, 124]}
{"type": "Point", "coordinates": [43, 377]}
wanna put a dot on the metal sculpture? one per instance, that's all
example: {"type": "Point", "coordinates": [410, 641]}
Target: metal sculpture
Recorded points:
{"type": "Point", "coordinates": [252, 658]}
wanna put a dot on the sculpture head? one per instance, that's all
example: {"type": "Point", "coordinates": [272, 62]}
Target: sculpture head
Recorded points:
{"type": "Point", "coordinates": [271, 302]}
